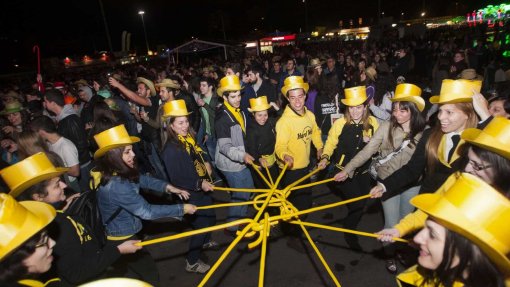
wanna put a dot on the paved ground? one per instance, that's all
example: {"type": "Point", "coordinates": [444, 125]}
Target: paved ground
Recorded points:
{"type": "Point", "coordinates": [284, 266]}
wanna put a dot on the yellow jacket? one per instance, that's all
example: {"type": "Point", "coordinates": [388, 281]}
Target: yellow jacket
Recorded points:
{"type": "Point", "coordinates": [336, 130]}
{"type": "Point", "coordinates": [413, 277]}
{"type": "Point", "coordinates": [294, 134]}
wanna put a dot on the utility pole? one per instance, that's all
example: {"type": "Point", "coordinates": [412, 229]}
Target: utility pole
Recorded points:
{"type": "Point", "coordinates": [109, 39]}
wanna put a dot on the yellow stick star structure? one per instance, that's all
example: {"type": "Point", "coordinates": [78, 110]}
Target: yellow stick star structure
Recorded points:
{"type": "Point", "coordinates": [275, 198]}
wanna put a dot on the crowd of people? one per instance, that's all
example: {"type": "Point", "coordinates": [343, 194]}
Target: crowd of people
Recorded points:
{"type": "Point", "coordinates": [424, 126]}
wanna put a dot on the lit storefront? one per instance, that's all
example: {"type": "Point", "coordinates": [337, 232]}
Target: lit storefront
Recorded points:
{"type": "Point", "coordinates": [267, 44]}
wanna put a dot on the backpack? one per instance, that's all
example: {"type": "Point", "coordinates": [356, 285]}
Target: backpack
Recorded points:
{"type": "Point", "coordinates": [86, 210]}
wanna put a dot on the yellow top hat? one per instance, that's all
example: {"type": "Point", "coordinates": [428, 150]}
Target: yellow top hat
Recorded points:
{"type": "Point", "coordinates": [474, 209]}
{"type": "Point", "coordinates": [175, 108]}
{"type": "Point", "coordinates": [355, 96]}
{"type": "Point", "coordinates": [409, 93]}
{"type": "Point", "coordinates": [32, 170]}
{"type": "Point", "coordinates": [117, 282]}
{"type": "Point", "coordinates": [495, 137]}
{"type": "Point", "coordinates": [258, 104]}
{"type": "Point", "coordinates": [229, 84]}
{"type": "Point", "coordinates": [294, 82]}
{"type": "Point", "coordinates": [149, 84]}
{"type": "Point", "coordinates": [456, 91]}
{"type": "Point", "coordinates": [113, 138]}
{"type": "Point", "coordinates": [169, 83]}
{"type": "Point", "coordinates": [19, 221]}
{"type": "Point", "coordinates": [12, 107]}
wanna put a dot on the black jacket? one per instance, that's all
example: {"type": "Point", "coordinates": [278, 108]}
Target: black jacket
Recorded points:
{"type": "Point", "coordinates": [73, 129]}
{"type": "Point", "coordinates": [260, 140]}
{"type": "Point", "coordinates": [79, 258]}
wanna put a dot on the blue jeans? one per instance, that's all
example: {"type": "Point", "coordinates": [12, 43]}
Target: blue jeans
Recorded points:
{"type": "Point", "coordinates": [238, 179]}
{"type": "Point", "coordinates": [398, 206]}
{"type": "Point", "coordinates": [210, 145]}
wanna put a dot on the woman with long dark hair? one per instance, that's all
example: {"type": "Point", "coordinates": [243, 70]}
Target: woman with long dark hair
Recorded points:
{"type": "Point", "coordinates": [119, 181]}
{"type": "Point", "coordinates": [465, 240]}
{"type": "Point", "coordinates": [187, 169]}
{"type": "Point", "coordinates": [396, 142]}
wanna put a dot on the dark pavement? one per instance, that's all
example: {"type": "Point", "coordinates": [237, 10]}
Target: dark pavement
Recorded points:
{"type": "Point", "coordinates": [284, 266]}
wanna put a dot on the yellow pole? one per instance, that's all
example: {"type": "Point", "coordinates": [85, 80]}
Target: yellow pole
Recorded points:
{"type": "Point", "coordinates": [233, 204]}
{"type": "Point", "coordinates": [344, 230]}
{"type": "Point", "coordinates": [240, 189]}
{"type": "Point", "coordinates": [265, 234]}
{"type": "Point", "coordinates": [194, 232]}
{"type": "Point", "coordinates": [256, 168]}
{"type": "Point", "coordinates": [313, 183]}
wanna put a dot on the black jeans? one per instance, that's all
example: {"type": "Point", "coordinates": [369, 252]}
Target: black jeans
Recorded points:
{"type": "Point", "coordinates": [357, 186]}
{"type": "Point", "coordinates": [300, 198]}
{"type": "Point", "coordinates": [201, 219]}
{"type": "Point", "coordinates": [139, 265]}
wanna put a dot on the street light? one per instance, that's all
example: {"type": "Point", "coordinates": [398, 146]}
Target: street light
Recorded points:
{"type": "Point", "coordinates": [422, 14]}
{"type": "Point", "coordinates": [141, 12]}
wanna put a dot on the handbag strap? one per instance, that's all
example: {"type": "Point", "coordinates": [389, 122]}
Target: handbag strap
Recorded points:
{"type": "Point", "coordinates": [402, 146]}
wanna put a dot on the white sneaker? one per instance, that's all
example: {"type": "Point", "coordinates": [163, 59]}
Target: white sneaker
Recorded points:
{"type": "Point", "coordinates": [199, 267]}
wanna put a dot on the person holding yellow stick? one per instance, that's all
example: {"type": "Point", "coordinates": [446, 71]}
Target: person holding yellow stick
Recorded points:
{"type": "Point", "coordinates": [346, 138]}
{"type": "Point", "coordinates": [295, 132]}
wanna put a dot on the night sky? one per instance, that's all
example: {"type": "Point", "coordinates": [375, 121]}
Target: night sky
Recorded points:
{"type": "Point", "coordinates": [75, 27]}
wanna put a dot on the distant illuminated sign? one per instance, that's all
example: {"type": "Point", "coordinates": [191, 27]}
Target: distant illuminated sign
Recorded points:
{"type": "Point", "coordinates": [280, 38]}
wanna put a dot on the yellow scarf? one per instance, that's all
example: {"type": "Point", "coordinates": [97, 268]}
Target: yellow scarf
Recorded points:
{"type": "Point", "coordinates": [189, 143]}
{"type": "Point", "coordinates": [237, 115]}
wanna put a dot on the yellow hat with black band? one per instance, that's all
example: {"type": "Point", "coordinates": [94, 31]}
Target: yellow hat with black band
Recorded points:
{"type": "Point", "coordinates": [175, 108]}
{"type": "Point", "coordinates": [258, 104]}
{"type": "Point", "coordinates": [19, 221]}
{"type": "Point", "coordinates": [32, 170]}
{"type": "Point", "coordinates": [495, 137]}
{"type": "Point", "coordinates": [409, 93]}
{"type": "Point", "coordinates": [229, 84]}
{"type": "Point", "coordinates": [292, 83]}
{"type": "Point", "coordinates": [457, 91]}
{"type": "Point", "coordinates": [113, 138]}
{"type": "Point", "coordinates": [472, 208]}
{"type": "Point", "coordinates": [355, 96]}
{"type": "Point", "coordinates": [148, 83]}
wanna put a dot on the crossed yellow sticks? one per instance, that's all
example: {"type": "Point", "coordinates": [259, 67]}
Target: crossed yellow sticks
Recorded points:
{"type": "Point", "coordinates": [262, 222]}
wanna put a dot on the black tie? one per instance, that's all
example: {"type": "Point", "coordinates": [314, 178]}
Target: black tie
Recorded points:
{"type": "Point", "coordinates": [455, 140]}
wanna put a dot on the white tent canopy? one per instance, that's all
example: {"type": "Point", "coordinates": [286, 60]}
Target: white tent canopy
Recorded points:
{"type": "Point", "coordinates": [196, 45]}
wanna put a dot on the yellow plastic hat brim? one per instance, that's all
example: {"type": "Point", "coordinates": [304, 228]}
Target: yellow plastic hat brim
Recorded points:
{"type": "Point", "coordinates": [286, 89]}
{"type": "Point", "coordinates": [234, 88]}
{"type": "Point", "coordinates": [100, 152]}
{"type": "Point", "coordinates": [18, 189]}
{"type": "Point", "coordinates": [176, 114]}
{"type": "Point", "coordinates": [259, 108]}
{"type": "Point", "coordinates": [117, 282]}
{"type": "Point", "coordinates": [437, 100]}
{"type": "Point", "coordinates": [44, 214]}
{"type": "Point", "coordinates": [448, 216]}
{"type": "Point", "coordinates": [418, 101]}
{"type": "Point", "coordinates": [481, 139]}
{"type": "Point", "coordinates": [353, 102]}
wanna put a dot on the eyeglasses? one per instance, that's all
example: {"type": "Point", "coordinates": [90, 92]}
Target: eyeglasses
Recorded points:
{"type": "Point", "coordinates": [45, 241]}
{"type": "Point", "coordinates": [477, 166]}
